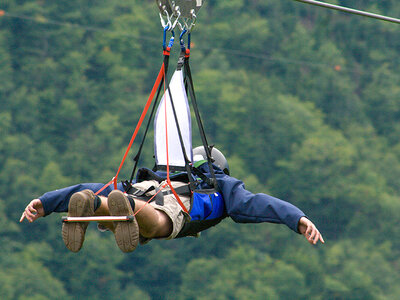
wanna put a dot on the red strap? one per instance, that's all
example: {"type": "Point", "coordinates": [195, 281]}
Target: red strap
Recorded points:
{"type": "Point", "coordinates": [104, 187]}
{"type": "Point", "coordinates": [160, 76]}
{"type": "Point", "coordinates": [187, 53]}
{"type": "Point", "coordinates": [176, 195]}
{"type": "Point", "coordinates": [167, 51]}
{"type": "Point", "coordinates": [148, 201]}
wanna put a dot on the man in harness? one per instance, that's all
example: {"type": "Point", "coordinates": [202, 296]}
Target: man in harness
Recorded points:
{"type": "Point", "coordinates": [163, 217]}
{"type": "Point", "coordinates": [162, 204]}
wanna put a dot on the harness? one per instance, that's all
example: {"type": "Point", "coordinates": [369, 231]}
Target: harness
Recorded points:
{"type": "Point", "coordinates": [207, 205]}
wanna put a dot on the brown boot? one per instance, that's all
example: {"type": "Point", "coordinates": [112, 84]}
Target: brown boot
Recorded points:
{"type": "Point", "coordinates": [81, 204]}
{"type": "Point", "coordinates": [126, 232]}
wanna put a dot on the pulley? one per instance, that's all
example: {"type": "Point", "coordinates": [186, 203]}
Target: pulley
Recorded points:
{"type": "Point", "coordinates": [188, 8]}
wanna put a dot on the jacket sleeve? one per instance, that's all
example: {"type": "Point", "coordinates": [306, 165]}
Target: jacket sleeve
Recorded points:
{"type": "Point", "coordinates": [58, 200]}
{"type": "Point", "coordinates": [245, 207]}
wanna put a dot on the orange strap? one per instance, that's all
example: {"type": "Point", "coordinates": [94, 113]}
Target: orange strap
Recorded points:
{"type": "Point", "coordinates": [148, 201]}
{"type": "Point", "coordinates": [104, 187]}
{"type": "Point", "coordinates": [160, 76]}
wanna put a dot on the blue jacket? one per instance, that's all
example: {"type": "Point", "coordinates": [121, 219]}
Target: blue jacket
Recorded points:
{"type": "Point", "coordinates": [241, 205]}
{"type": "Point", "coordinates": [245, 207]}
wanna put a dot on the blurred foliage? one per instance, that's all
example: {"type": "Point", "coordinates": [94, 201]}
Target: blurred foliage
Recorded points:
{"type": "Point", "coordinates": [303, 101]}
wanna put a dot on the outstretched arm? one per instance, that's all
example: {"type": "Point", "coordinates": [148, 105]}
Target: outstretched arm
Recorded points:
{"type": "Point", "coordinates": [245, 207]}
{"type": "Point", "coordinates": [58, 200]}
{"type": "Point", "coordinates": [310, 231]}
{"type": "Point", "coordinates": [33, 211]}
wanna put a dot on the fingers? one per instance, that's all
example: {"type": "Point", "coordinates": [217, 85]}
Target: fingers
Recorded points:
{"type": "Point", "coordinates": [310, 234]}
{"type": "Point", "coordinates": [31, 213]}
{"type": "Point", "coordinates": [22, 217]}
{"type": "Point", "coordinates": [321, 239]}
{"type": "Point", "coordinates": [309, 231]}
{"type": "Point", "coordinates": [313, 235]}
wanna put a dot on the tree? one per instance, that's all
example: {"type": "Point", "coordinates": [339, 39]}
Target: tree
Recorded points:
{"type": "Point", "coordinates": [243, 273]}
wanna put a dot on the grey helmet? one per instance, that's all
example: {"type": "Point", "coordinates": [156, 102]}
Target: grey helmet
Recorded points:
{"type": "Point", "coordinates": [217, 158]}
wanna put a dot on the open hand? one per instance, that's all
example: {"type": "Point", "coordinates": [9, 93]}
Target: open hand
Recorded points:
{"type": "Point", "coordinates": [310, 231]}
{"type": "Point", "coordinates": [33, 211]}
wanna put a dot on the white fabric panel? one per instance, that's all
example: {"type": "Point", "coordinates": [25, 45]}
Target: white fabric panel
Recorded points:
{"type": "Point", "coordinates": [181, 105]}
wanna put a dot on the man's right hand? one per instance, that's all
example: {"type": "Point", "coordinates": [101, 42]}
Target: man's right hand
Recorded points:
{"type": "Point", "coordinates": [310, 231]}
{"type": "Point", "coordinates": [33, 211]}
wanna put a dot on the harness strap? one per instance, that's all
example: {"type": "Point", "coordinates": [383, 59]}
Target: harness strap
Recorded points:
{"type": "Point", "coordinates": [158, 196]}
{"type": "Point", "coordinates": [190, 87]}
{"type": "Point", "coordinates": [203, 177]}
{"type": "Point", "coordinates": [182, 190]}
{"type": "Point", "coordinates": [130, 189]}
{"type": "Point", "coordinates": [147, 174]}
{"type": "Point", "coordinates": [187, 162]}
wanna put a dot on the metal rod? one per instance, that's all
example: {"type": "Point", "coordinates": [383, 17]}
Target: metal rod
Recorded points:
{"type": "Point", "coordinates": [351, 11]}
{"type": "Point", "coordinates": [98, 219]}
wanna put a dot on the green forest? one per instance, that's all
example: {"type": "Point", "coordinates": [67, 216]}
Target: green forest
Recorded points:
{"type": "Point", "coordinates": [304, 102]}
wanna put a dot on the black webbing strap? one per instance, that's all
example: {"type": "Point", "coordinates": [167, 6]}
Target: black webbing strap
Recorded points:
{"type": "Point", "coordinates": [190, 87]}
{"type": "Point", "coordinates": [183, 61]}
{"type": "Point", "coordinates": [158, 197]}
{"type": "Point", "coordinates": [130, 189]}
{"type": "Point", "coordinates": [187, 162]}
{"type": "Point", "coordinates": [203, 177]}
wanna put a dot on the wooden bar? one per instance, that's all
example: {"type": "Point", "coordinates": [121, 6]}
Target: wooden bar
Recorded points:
{"type": "Point", "coordinates": [99, 219]}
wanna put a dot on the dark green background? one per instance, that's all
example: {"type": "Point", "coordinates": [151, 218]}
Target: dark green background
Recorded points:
{"type": "Point", "coordinates": [305, 103]}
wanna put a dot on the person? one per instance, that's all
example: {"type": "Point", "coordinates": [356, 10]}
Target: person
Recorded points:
{"type": "Point", "coordinates": [164, 217]}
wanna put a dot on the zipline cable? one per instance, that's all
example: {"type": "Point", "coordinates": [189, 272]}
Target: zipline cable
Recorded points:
{"type": "Point", "coordinates": [351, 11]}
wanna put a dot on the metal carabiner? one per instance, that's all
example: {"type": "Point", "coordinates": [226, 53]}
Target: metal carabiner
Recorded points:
{"type": "Point", "coordinates": [181, 41]}
{"type": "Point", "coordinates": [171, 41]}
{"type": "Point", "coordinates": [164, 24]}
{"type": "Point", "coordinates": [178, 14]}
{"type": "Point", "coordinates": [194, 19]}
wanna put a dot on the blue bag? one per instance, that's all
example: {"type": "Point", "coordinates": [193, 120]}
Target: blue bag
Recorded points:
{"type": "Point", "coordinates": [207, 206]}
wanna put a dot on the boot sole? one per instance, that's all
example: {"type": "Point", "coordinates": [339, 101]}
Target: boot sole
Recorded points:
{"type": "Point", "coordinates": [73, 233]}
{"type": "Point", "coordinates": [126, 233]}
